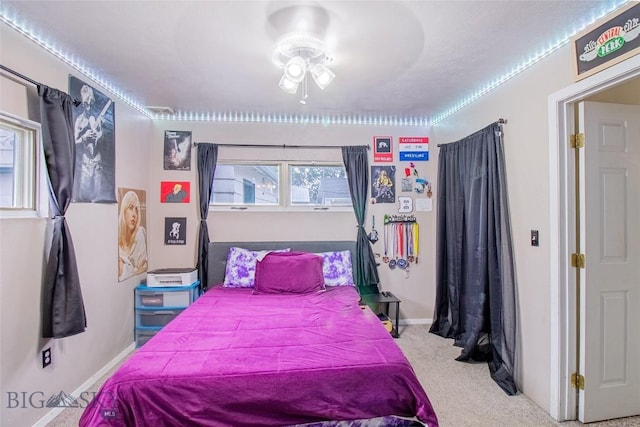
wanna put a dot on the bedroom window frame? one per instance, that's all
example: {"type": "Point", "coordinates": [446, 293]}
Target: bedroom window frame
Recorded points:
{"type": "Point", "coordinates": [342, 205]}
{"type": "Point", "coordinates": [30, 181]}
{"type": "Point", "coordinates": [242, 182]}
{"type": "Point", "coordinates": [284, 191]}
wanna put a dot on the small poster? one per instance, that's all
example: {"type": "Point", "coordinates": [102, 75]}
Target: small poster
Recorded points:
{"type": "Point", "coordinates": [175, 231]}
{"type": "Point", "coordinates": [405, 204]}
{"type": "Point", "coordinates": [424, 205]}
{"type": "Point", "coordinates": [175, 191]}
{"type": "Point", "coordinates": [413, 148]}
{"type": "Point", "coordinates": [177, 150]}
{"type": "Point", "coordinates": [383, 180]}
{"type": "Point", "coordinates": [407, 185]}
{"type": "Point", "coordinates": [383, 149]}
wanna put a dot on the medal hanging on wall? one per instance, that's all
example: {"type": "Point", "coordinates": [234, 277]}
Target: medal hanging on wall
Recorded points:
{"type": "Point", "coordinates": [385, 230]}
{"type": "Point", "coordinates": [416, 237]}
{"type": "Point", "coordinates": [410, 254]}
{"type": "Point", "coordinates": [394, 256]}
{"type": "Point", "coordinates": [401, 240]}
{"type": "Point", "coordinates": [373, 236]}
{"type": "Point", "coordinates": [402, 245]}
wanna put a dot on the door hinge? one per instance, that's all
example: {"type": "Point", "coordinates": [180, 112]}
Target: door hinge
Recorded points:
{"type": "Point", "coordinates": [577, 381]}
{"type": "Point", "coordinates": [577, 260]}
{"type": "Point", "coordinates": [577, 140]}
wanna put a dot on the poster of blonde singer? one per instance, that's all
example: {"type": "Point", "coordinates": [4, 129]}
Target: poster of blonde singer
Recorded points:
{"type": "Point", "coordinates": [132, 234]}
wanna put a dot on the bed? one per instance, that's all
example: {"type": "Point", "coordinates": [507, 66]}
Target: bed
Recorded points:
{"type": "Point", "coordinates": [241, 357]}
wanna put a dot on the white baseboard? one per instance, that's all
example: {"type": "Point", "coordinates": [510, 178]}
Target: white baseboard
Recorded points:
{"type": "Point", "coordinates": [42, 422]}
{"type": "Point", "coordinates": [422, 321]}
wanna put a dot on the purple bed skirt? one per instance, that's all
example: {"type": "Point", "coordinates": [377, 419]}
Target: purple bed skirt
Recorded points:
{"type": "Point", "coordinates": [235, 358]}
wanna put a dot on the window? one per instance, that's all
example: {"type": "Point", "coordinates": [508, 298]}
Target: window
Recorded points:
{"type": "Point", "coordinates": [246, 184]}
{"type": "Point", "coordinates": [280, 184]}
{"type": "Point", "coordinates": [313, 185]}
{"type": "Point", "coordinates": [22, 177]}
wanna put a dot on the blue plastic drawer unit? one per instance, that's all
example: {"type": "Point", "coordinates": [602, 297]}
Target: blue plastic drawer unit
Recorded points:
{"type": "Point", "coordinates": [145, 334]}
{"type": "Point", "coordinates": [176, 296]}
{"type": "Point", "coordinates": [156, 306]}
{"type": "Point", "coordinates": [154, 317]}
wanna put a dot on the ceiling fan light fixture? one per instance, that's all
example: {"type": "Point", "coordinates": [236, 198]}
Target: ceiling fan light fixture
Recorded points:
{"type": "Point", "coordinates": [322, 75]}
{"type": "Point", "coordinates": [295, 69]}
{"type": "Point", "coordinates": [288, 85]}
{"type": "Point", "coordinates": [299, 53]}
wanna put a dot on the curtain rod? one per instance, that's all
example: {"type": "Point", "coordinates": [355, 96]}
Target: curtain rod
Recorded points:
{"type": "Point", "coordinates": [17, 74]}
{"type": "Point", "coordinates": [500, 121]}
{"type": "Point", "coordinates": [195, 144]}
{"type": "Point", "coordinates": [76, 102]}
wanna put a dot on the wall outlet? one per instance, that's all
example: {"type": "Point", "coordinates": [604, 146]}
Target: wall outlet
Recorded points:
{"type": "Point", "coordinates": [46, 357]}
{"type": "Point", "coordinates": [534, 238]}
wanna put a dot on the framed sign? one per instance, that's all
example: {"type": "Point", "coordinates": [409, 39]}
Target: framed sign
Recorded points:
{"type": "Point", "coordinates": [413, 148]}
{"type": "Point", "coordinates": [177, 150]}
{"type": "Point", "coordinates": [382, 149]}
{"type": "Point", "coordinates": [175, 231]}
{"type": "Point", "coordinates": [405, 204]}
{"type": "Point", "coordinates": [609, 41]}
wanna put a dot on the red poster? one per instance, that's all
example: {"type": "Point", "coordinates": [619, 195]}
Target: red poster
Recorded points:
{"type": "Point", "coordinates": [383, 149]}
{"type": "Point", "coordinates": [175, 191]}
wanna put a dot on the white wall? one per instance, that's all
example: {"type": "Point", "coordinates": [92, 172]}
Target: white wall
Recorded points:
{"type": "Point", "coordinates": [108, 304]}
{"type": "Point", "coordinates": [417, 291]}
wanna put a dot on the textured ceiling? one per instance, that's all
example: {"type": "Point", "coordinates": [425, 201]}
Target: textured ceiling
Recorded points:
{"type": "Point", "coordinates": [391, 58]}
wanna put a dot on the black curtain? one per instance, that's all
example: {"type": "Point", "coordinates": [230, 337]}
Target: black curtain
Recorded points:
{"type": "Point", "coordinates": [207, 158]}
{"type": "Point", "coordinates": [475, 295]}
{"type": "Point", "coordinates": [63, 312]}
{"type": "Point", "coordinates": [356, 163]}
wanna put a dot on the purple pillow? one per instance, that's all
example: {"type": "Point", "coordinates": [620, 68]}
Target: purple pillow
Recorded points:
{"type": "Point", "coordinates": [289, 273]}
{"type": "Point", "coordinates": [240, 270]}
{"type": "Point", "coordinates": [337, 268]}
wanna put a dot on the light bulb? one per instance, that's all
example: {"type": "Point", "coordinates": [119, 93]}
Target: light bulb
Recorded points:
{"type": "Point", "coordinates": [295, 69]}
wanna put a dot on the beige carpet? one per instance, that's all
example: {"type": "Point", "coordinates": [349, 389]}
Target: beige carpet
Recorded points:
{"type": "Point", "coordinates": [462, 394]}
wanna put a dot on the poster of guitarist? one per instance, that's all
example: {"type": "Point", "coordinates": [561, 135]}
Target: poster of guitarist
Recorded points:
{"type": "Point", "coordinates": [94, 179]}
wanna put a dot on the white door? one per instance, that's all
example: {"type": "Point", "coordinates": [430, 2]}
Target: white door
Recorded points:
{"type": "Point", "coordinates": [610, 281]}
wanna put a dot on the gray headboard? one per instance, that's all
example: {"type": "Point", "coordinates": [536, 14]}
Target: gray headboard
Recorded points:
{"type": "Point", "coordinates": [218, 252]}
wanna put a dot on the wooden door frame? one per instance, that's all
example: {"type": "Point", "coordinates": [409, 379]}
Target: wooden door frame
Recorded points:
{"type": "Point", "coordinates": [562, 397]}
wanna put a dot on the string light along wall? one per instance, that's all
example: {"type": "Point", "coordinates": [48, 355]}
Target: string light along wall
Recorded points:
{"type": "Point", "coordinates": [298, 54]}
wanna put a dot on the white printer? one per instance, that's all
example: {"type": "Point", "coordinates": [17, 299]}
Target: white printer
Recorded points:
{"type": "Point", "coordinates": [172, 277]}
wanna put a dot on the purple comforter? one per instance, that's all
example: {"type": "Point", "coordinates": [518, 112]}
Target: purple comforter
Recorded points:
{"type": "Point", "coordinates": [234, 359]}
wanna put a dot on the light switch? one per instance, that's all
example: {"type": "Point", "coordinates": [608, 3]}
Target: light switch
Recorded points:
{"type": "Point", "coordinates": [534, 238]}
